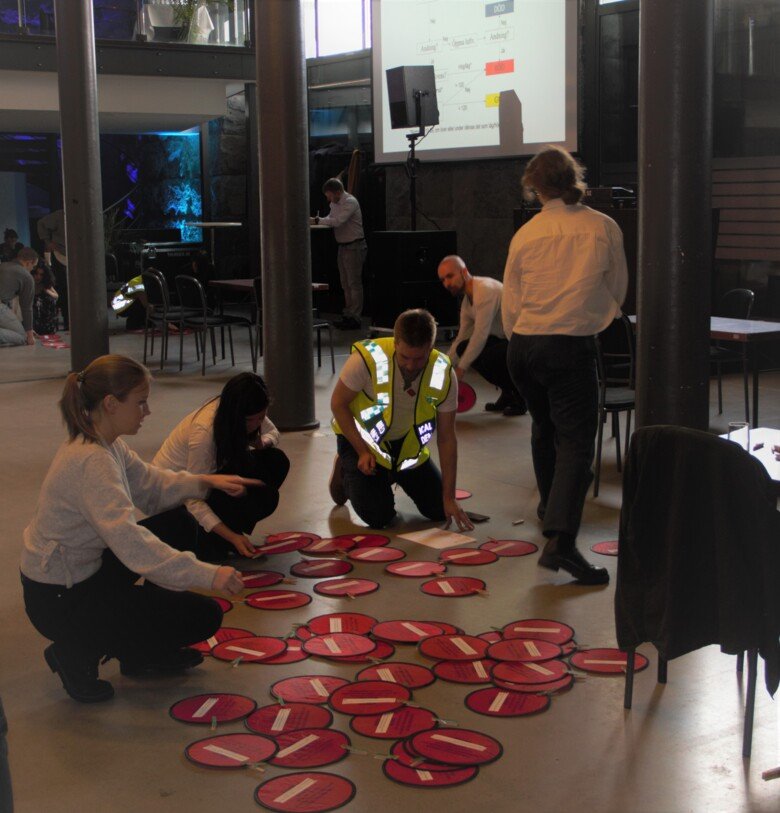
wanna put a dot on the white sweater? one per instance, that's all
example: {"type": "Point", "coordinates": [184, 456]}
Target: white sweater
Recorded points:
{"type": "Point", "coordinates": [478, 320]}
{"type": "Point", "coordinates": [87, 504]}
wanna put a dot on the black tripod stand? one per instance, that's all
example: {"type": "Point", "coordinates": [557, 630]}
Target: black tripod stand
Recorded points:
{"type": "Point", "coordinates": [411, 161]}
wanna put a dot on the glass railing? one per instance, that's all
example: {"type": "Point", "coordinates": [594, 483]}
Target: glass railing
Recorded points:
{"type": "Point", "coordinates": [193, 22]}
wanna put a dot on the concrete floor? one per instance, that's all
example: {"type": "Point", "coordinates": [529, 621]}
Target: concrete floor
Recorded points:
{"type": "Point", "coordinates": [678, 750]}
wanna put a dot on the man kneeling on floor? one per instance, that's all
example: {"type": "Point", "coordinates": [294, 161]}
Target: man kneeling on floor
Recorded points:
{"type": "Point", "coordinates": [393, 393]}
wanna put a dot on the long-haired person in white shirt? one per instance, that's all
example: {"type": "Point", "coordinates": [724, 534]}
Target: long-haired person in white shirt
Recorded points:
{"type": "Point", "coordinates": [565, 280]}
{"type": "Point", "coordinates": [83, 551]}
{"type": "Point", "coordinates": [229, 434]}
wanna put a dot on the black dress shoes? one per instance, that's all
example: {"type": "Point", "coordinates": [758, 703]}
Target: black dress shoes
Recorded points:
{"type": "Point", "coordinates": [508, 404]}
{"type": "Point", "coordinates": [347, 323]}
{"type": "Point", "coordinates": [572, 561]}
{"type": "Point", "coordinates": [79, 676]}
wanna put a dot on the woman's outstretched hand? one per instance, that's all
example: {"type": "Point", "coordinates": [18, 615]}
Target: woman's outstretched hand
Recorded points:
{"type": "Point", "coordinates": [231, 484]}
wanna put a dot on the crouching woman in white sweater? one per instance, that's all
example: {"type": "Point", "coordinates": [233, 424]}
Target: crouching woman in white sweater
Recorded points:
{"type": "Point", "coordinates": [84, 552]}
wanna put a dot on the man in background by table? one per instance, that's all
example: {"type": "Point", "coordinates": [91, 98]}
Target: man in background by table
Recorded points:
{"type": "Point", "coordinates": [347, 221]}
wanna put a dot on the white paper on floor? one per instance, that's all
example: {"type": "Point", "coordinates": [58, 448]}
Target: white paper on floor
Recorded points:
{"type": "Point", "coordinates": [437, 538]}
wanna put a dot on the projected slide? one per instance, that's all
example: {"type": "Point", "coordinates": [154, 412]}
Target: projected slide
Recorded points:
{"type": "Point", "coordinates": [505, 72]}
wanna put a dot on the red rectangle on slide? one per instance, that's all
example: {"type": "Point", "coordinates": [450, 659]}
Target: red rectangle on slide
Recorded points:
{"type": "Point", "coordinates": [501, 66]}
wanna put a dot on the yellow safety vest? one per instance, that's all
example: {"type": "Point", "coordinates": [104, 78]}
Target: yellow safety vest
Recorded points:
{"type": "Point", "coordinates": [373, 417]}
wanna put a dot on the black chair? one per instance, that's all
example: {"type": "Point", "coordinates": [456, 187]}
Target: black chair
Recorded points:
{"type": "Point", "coordinates": [698, 559]}
{"type": "Point", "coordinates": [157, 315]}
{"type": "Point", "coordinates": [734, 304]}
{"type": "Point", "coordinates": [201, 320]}
{"type": "Point", "coordinates": [615, 364]}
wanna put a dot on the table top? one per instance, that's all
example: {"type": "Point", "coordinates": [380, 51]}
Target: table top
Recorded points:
{"type": "Point", "coordinates": [739, 330]}
{"type": "Point", "coordinates": [248, 285]}
{"type": "Point", "coordinates": [214, 225]}
{"type": "Point", "coordinates": [762, 440]}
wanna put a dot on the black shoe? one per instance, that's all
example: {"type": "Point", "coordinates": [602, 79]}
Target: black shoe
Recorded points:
{"type": "Point", "coordinates": [336, 485]}
{"type": "Point", "coordinates": [347, 323]}
{"type": "Point", "coordinates": [169, 664]}
{"type": "Point", "coordinates": [517, 408]}
{"type": "Point", "coordinates": [499, 405]}
{"type": "Point", "coordinates": [572, 561]}
{"type": "Point", "coordinates": [79, 678]}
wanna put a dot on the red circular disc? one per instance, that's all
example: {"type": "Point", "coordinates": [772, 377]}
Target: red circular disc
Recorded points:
{"type": "Point", "coordinates": [609, 548]}
{"type": "Point", "coordinates": [492, 636]}
{"type": "Point", "coordinates": [394, 724]}
{"type": "Point", "coordinates": [453, 586]}
{"type": "Point", "coordinates": [509, 547]}
{"type": "Point", "coordinates": [448, 629]}
{"type": "Point", "coordinates": [542, 629]}
{"type": "Point", "coordinates": [462, 494]}
{"type": "Point", "coordinates": [404, 757]}
{"type": "Point", "coordinates": [516, 672]}
{"type": "Point", "coordinates": [454, 647]}
{"type": "Point", "coordinates": [260, 578]}
{"type": "Point", "coordinates": [323, 569]}
{"type": "Point", "coordinates": [346, 587]}
{"type": "Point", "coordinates": [329, 546]}
{"type": "Point", "coordinates": [526, 650]}
{"type": "Point", "coordinates": [416, 570]}
{"type": "Point", "coordinates": [365, 540]}
{"type": "Point", "coordinates": [278, 599]}
{"type": "Point", "coordinates": [607, 661]}
{"type": "Point", "coordinates": [339, 645]}
{"type": "Point", "coordinates": [501, 703]}
{"type": "Point", "coordinates": [286, 542]}
{"type": "Point", "coordinates": [467, 397]}
{"type": "Point", "coordinates": [277, 719]}
{"type": "Point", "coordinates": [305, 792]}
{"type": "Point", "coordinates": [468, 556]}
{"type": "Point", "coordinates": [341, 622]}
{"type": "Point", "coordinates": [419, 778]}
{"type": "Point", "coordinates": [536, 688]}
{"type": "Point", "coordinates": [251, 650]}
{"type": "Point", "coordinates": [369, 697]}
{"type": "Point", "coordinates": [405, 632]}
{"type": "Point", "coordinates": [378, 555]}
{"type": "Point", "coordinates": [230, 750]}
{"type": "Point", "coordinates": [222, 634]}
{"type": "Point", "coordinates": [293, 653]}
{"type": "Point", "coordinates": [225, 604]}
{"type": "Point", "coordinates": [382, 652]}
{"type": "Point", "coordinates": [314, 689]}
{"type": "Point", "coordinates": [310, 748]}
{"type": "Point", "coordinates": [410, 675]}
{"type": "Point", "coordinates": [458, 746]}
{"type": "Point", "coordinates": [464, 671]}
{"type": "Point", "coordinates": [205, 708]}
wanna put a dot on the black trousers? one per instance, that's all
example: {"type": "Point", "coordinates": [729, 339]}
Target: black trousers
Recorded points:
{"type": "Point", "coordinates": [108, 614]}
{"type": "Point", "coordinates": [179, 529]}
{"type": "Point", "coordinates": [60, 272]}
{"type": "Point", "coordinates": [372, 495]}
{"type": "Point", "coordinates": [557, 377]}
{"type": "Point", "coordinates": [491, 364]}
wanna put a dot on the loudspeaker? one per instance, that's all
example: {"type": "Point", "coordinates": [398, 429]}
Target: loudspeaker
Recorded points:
{"type": "Point", "coordinates": [402, 84]}
{"type": "Point", "coordinates": [402, 275]}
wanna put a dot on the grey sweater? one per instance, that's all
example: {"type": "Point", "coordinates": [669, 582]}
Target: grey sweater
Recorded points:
{"type": "Point", "coordinates": [87, 503]}
{"type": "Point", "coordinates": [16, 280]}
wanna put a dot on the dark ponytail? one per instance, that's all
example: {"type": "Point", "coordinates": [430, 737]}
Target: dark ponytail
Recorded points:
{"type": "Point", "coordinates": [244, 395]}
{"type": "Point", "coordinates": [554, 173]}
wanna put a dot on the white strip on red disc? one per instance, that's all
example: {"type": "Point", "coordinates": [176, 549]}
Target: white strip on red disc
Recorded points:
{"type": "Point", "coordinates": [416, 570]}
{"type": "Point", "coordinates": [468, 556]}
{"type": "Point", "coordinates": [609, 548]}
{"type": "Point", "coordinates": [454, 647]}
{"type": "Point", "coordinates": [222, 634]}
{"type": "Point", "coordinates": [536, 688]}
{"type": "Point", "coordinates": [260, 578]}
{"type": "Point", "coordinates": [492, 637]}
{"type": "Point", "coordinates": [515, 672]}
{"type": "Point", "coordinates": [305, 792]}
{"type": "Point", "coordinates": [465, 671]}
{"type": "Point", "coordinates": [406, 632]}
{"type": "Point", "coordinates": [328, 546]}
{"type": "Point", "coordinates": [226, 605]}
{"type": "Point", "coordinates": [369, 697]}
{"type": "Point", "coordinates": [410, 675]}
{"type": "Point", "coordinates": [419, 778]}
{"type": "Point", "coordinates": [394, 724]}
{"type": "Point", "coordinates": [541, 628]}
{"type": "Point", "coordinates": [339, 645]}
{"type": "Point", "coordinates": [251, 650]}
{"type": "Point", "coordinates": [230, 750]}
{"type": "Point", "coordinates": [286, 542]}
{"type": "Point", "coordinates": [278, 599]}
{"type": "Point", "coordinates": [456, 746]}
{"type": "Point", "coordinates": [202, 709]}
{"type": "Point", "coordinates": [462, 494]}
{"type": "Point", "coordinates": [527, 650]}
{"type": "Point", "coordinates": [346, 587]}
{"type": "Point", "coordinates": [404, 757]}
{"type": "Point", "coordinates": [365, 540]}
{"type": "Point", "coordinates": [307, 688]}
{"type": "Point", "coordinates": [310, 748]}
{"type": "Point", "coordinates": [378, 555]}
{"type": "Point", "coordinates": [358, 623]}
{"type": "Point", "coordinates": [503, 703]}
{"type": "Point", "coordinates": [324, 569]}
{"type": "Point", "coordinates": [606, 661]}
{"type": "Point", "coordinates": [453, 586]}
{"type": "Point", "coordinates": [277, 719]}
{"type": "Point", "coordinates": [509, 547]}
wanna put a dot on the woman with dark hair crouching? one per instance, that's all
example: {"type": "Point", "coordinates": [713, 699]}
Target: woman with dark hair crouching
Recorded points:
{"type": "Point", "coordinates": [229, 434]}
{"type": "Point", "coordinates": [83, 551]}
